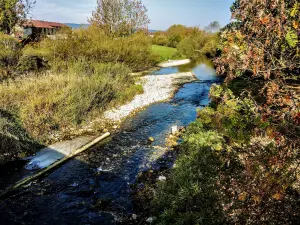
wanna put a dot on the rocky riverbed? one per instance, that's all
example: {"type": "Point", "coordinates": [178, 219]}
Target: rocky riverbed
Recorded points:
{"type": "Point", "coordinates": [156, 89]}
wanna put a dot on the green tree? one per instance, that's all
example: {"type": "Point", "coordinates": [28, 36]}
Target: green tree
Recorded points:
{"type": "Point", "coordinates": [176, 33]}
{"type": "Point", "coordinates": [120, 17]}
{"type": "Point", "coordinates": [13, 12]}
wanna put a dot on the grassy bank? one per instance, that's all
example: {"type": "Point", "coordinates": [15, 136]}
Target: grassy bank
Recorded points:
{"type": "Point", "coordinates": [58, 101]}
{"type": "Point", "coordinates": [165, 53]}
{"type": "Point", "coordinates": [190, 42]}
{"type": "Point", "coordinates": [60, 85]}
{"type": "Point", "coordinates": [45, 104]}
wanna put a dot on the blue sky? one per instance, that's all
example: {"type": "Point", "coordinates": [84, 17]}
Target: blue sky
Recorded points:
{"type": "Point", "coordinates": [162, 13]}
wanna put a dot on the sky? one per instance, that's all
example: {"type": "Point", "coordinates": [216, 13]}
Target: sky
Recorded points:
{"type": "Point", "coordinates": [162, 13]}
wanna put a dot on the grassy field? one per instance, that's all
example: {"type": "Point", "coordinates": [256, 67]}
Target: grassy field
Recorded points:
{"type": "Point", "coordinates": [165, 53]}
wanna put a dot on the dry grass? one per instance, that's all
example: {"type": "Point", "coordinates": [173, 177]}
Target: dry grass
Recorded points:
{"type": "Point", "coordinates": [51, 102]}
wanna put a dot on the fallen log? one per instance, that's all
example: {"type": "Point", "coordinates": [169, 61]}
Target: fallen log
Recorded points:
{"type": "Point", "coordinates": [42, 172]}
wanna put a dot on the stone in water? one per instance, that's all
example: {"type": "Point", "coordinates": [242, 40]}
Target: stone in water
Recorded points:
{"type": "Point", "coordinates": [151, 139]}
{"type": "Point", "coordinates": [174, 130]}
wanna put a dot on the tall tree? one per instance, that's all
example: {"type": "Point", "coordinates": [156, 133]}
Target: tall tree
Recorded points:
{"type": "Point", "coordinates": [13, 12]}
{"type": "Point", "coordinates": [120, 17]}
{"type": "Point", "coordinates": [213, 27]}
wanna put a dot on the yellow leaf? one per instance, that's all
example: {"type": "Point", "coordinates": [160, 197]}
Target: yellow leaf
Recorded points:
{"type": "Point", "coordinates": [270, 132]}
{"type": "Point", "coordinates": [295, 24]}
{"type": "Point", "coordinates": [277, 196]}
{"type": "Point", "coordinates": [218, 147]}
{"type": "Point", "coordinates": [295, 10]}
{"type": "Point", "coordinates": [243, 196]}
{"type": "Point", "coordinates": [257, 199]}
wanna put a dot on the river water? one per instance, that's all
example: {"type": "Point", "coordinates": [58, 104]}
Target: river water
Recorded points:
{"type": "Point", "coordinates": [94, 188]}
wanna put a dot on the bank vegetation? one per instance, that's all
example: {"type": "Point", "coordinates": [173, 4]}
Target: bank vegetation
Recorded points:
{"type": "Point", "coordinates": [239, 162]}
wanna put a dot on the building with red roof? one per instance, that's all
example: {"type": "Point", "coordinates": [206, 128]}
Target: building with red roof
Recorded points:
{"type": "Point", "coordinates": [37, 29]}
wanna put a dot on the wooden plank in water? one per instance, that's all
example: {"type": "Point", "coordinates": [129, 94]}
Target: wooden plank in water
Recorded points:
{"type": "Point", "coordinates": [44, 171]}
{"type": "Point", "coordinates": [49, 155]}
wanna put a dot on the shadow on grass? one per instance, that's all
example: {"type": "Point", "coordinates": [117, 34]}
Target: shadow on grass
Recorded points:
{"type": "Point", "coordinates": [15, 143]}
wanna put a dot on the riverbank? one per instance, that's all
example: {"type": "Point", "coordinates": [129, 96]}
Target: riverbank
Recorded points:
{"type": "Point", "coordinates": [172, 63]}
{"type": "Point", "coordinates": [156, 89]}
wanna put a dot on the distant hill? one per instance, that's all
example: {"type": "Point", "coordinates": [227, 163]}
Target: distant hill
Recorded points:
{"type": "Point", "coordinates": [77, 25]}
{"type": "Point", "coordinates": [152, 31]}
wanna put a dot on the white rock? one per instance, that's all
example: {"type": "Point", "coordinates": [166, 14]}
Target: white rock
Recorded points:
{"type": "Point", "coordinates": [134, 216]}
{"type": "Point", "coordinates": [162, 178]}
{"type": "Point", "coordinates": [174, 130]}
{"type": "Point", "coordinates": [150, 219]}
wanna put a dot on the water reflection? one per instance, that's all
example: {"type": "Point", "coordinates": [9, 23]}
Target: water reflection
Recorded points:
{"type": "Point", "coordinates": [196, 66]}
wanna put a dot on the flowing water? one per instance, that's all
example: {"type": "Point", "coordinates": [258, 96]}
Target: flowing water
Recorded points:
{"type": "Point", "coordinates": [94, 188]}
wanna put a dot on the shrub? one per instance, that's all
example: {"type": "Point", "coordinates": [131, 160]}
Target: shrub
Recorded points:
{"type": "Point", "coordinates": [177, 33]}
{"type": "Point", "coordinates": [160, 38]}
{"type": "Point", "coordinates": [31, 64]}
{"type": "Point", "coordinates": [32, 60]}
{"type": "Point", "coordinates": [229, 171]}
{"type": "Point", "coordinates": [200, 43]}
{"type": "Point", "coordinates": [59, 101]}
{"type": "Point", "coordinates": [14, 60]}
{"type": "Point", "coordinates": [93, 44]}
{"type": "Point", "coordinates": [9, 54]}
{"type": "Point", "coordinates": [173, 36]}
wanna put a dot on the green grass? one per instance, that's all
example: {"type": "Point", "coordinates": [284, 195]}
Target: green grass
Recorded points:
{"type": "Point", "coordinates": [165, 53]}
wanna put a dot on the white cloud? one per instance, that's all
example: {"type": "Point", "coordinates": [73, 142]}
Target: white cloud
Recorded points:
{"type": "Point", "coordinates": [76, 11]}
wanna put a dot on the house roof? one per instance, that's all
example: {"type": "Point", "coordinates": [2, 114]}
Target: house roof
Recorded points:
{"type": "Point", "coordinates": [42, 24]}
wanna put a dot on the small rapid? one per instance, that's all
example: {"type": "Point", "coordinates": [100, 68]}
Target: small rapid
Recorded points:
{"type": "Point", "coordinates": [95, 187]}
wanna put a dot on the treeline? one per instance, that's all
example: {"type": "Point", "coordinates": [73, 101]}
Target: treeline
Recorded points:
{"type": "Point", "coordinates": [239, 162]}
{"type": "Point", "coordinates": [191, 42]}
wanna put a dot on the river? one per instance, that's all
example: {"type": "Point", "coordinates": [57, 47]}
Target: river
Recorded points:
{"type": "Point", "coordinates": [95, 187]}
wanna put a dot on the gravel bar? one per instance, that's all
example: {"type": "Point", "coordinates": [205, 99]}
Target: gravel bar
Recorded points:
{"type": "Point", "coordinates": [171, 63]}
{"type": "Point", "coordinates": [156, 89]}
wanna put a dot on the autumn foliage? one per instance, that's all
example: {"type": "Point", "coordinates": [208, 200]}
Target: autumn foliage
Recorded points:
{"type": "Point", "coordinates": [264, 43]}
{"type": "Point", "coordinates": [261, 50]}
{"type": "Point", "coordinates": [239, 161]}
